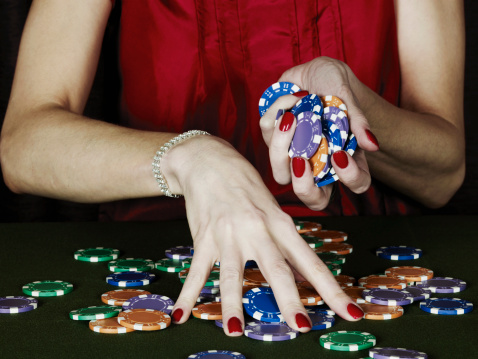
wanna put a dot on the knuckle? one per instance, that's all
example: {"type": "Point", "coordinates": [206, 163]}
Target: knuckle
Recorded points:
{"type": "Point", "coordinates": [231, 274]}
{"type": "Point", "coordinates": [280, 270]}
{"type": "Point", "coordinates": [319, 269]}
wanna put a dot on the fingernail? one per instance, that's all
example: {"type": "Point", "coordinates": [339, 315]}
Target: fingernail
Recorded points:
{"type": "Point", "coordinates": [177, 315]}
{"type": "Point", "coordinates": [302, 321]}
{"type": "Point", "coordinates": [355, 311]}
{"type": "Point", "coordinates": [286, 122]}
{"type": "Point", "coordinates": [301, 93]}
{"type": "Point", "coordinates": [234, 325]}
{"type": "Point", "coordinates": [341, 159]}
{"type": "Point", "coordinates": [372, 138]}
{"type": "Point", "coordinates": [298, 166]}
{"type": "Point", "coordinates": [279, 114]}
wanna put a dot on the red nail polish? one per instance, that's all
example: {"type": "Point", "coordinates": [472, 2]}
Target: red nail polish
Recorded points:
{"type": "Point", "coordinates": [302, 321]}
{"type": "Point", "coordinates": [287, 121]}
{"type": "Point", "coordinates": [301, 93]}
{"type": "Point", "coordinates": [298, 166]}
{"type": "Point", "coordinates": [355, 311]}
{"type": "Point", "coordinates": [177, 315]}
{"type": "Point", "coordinates": [234, 325]}
{"type": "Point", "coordinates": [341, 159]}
{"type": "Point", "coordinates": [372, 138]}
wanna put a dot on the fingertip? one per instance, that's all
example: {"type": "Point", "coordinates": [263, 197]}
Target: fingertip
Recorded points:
{"type": "Point", "coordinates": [233, 327]}
{"type": "Point", "coordinates": [302, 322]}
{"type": "Point", "coordinates": [177, 315]}
{"type": "Point", "coordinates": [355, 312]}
{"type": "Point", "coordinates": [367, 141]}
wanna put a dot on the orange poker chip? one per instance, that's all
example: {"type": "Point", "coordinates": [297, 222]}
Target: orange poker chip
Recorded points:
{"type": "Point", "coordinates": [334, 101]}
{"type": "Point", "coordinates": [308, 295]}
{"type": "Point", "coordinates": [335, 247]}
{"type": "Point", "coordinates": [381, 312]}
{"type": "Point", "coordinates": [253, 276]}
{"type": "Point", "coordinates": [320, 157]}
{"type": "Point", "coordinates": [208, 311]}
{"type": "Point", "coordinates": [345, 280]}
{"type": "Point", "coordinates": [108, 326]}
{"type": "Point", "coordinates": [355, 293]}
{"type": "Point", "coordinates": [305, 226]}
{"type": "Point", "coordinates": [410, 273]}
{"type": "Point", "coordinates": [328, 236]}
{"type": "Point", "coordinates": [119, 296]}
{"type": "Point", "coordinates": [382, 281]}
{"type": "Point", "coordinates": [144, 319]}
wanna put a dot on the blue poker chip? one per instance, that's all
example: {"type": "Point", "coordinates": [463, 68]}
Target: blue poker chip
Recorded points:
{"type": "Point", "coordinates": [309, 103]}
{"type": "Point", "coordinates": [418, 294]}
{"type": "Point", "coordinates": [130, 279]}
{"type": "Point", "coordinates": [273, 92]}
{"type": "Point", "coordinates": [261, 304]}
{"type": "Point", "coordinates": [218, 354]}
{"type": "Point", "coordinates": [328, 179]}
{"type": "Point", "coordinates": [351, 145]}
{"type": "Point", "coordinates": [446, 306]}
{"type": "Point", "coordinates": [333, 133]}
{"type": "Point", "coordinates": [398, 253]}
{"type": "Point", "coordinates": [320, 320]}
{"type": "Point", "coordinates": [307, 136]}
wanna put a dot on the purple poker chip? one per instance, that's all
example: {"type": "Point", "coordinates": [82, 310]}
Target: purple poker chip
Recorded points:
{"type": "Point", "coordinates": [320, 320]}
{"type": "Point", "coordinates": [219, 323]}
{"type": "Point", "coordinates": [418, 294]}
{"type": "Point", "coordinates": [398, 353]}
{"type": "Point", "coordinates": [210, 290]}
{"type": "Point", "coordinates": [307, 136]}
{"type": "Point", "coordinates": [387, 296]}
{"type": "Point", "coordinates": [179, 252]}
{"type": "Point", "coordinates": [17, 304]}
{"type": "Point", "coordinates": [269, 332]}
{"type": "Point", "coordinates": [150, 301]}
{"type": "Point", "coordinates": [338, 117]}
{"type": "Point", "coordinates": [443, 285]}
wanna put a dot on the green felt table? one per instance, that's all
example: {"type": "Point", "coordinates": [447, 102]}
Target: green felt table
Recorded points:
{"type": "Point", "coordinates": [42, 251]}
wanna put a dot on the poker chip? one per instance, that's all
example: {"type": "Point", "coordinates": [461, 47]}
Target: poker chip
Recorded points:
{"type": "Point", "coordinates": [336, 269]}
{"type": "Point", "coordinates": [334, 101]}
{"type": "Point", "coordinates": [269, 332]}
{"type": "Point", "coordinates": [418, 294]}
{"type": "Point", "coordinates": [108, 326]}
{"type": "Point", "coordinates": [206, 298]}
{"type": "Point", "coordinates": [382, 281]}
{"type": "Point", "coordinates": [320, 158]}
{"type": "Point", "coordinates": [273, 92]}
{"type": "Point", "coordinates": [395, 353]}
{"type": "Point", "coordinates": [179, 252]}
{"type": "Point", "coordinates": [47, 288]}
{"type": "Point", "coordinates": [308, 295]}
{"type": "Point", "coordinates": [335, 247]}
{"type": "Point", "coordinates": [446, 306]}
{"type": "Point", "coordinates": [131, 265]}
{"type": "Point", "coordinates": [381, 312]}
{"type": "Point", "coordinates": [398, 253]}
{"type": "Point", "coordinates": [219, 323]}
{"type": "Point", "coordinates": [328, 236]}
{"type": "Point", "coordinates": [254, 277]}
{"type": "Point", "coordinates": [130, 279]}
{"type": "Point", "coordinates": [443, 285]}
{"type": "Point", "coordinates": [144, 319]}
{"type": "Point", "coordinates": [170, 265]}
{"type": "Point", "coordinates": [349, 341]}
{"type": "Point", "coordinates": [332, 132]}
{"type": "Point", "coordinates": [331, 258]}
{"type": "Point", "coordinates": [307, 136]}
{"type": "Point", "coordinates": [355, 293]}
{"type": "Point", "coordinates": [211, 281]}
{"type": "Point", "coordinates": [17, 304]}
{"type": "Point", "coordinates": [345, 280]}
{"type": "Point", "coordinates": [260, 304]}
{"type": "Point", "coordinates": [150, 301]}
{"type": "Point", "coordinates": [97, 254]}
{"type": "Point", "coordinates": [351, 145]}
{"type": "Point", "coordinates": [388, 296]}
{"type": "Point", "coordinates": [411, 274]}
{"type": "Point", "coordinates": [247, 288]}
{"type": "Point", "coordinates": [208, 311]}
{"type": "Point", "coordinates": [309, 103]}
{"type": "Point", "coordinates": [320, 320]}
{"type": "Point", "coordinates": [95, 312]}
{"type": "Point", "coordinates": [338, 117]}
{"type": "Point", "coordinates": [328, 179]}
{"type": "Point", "coordinates": [119, 296]}
{"type": "Point", "coordinates": [218, 354]}
{"type": "Point", "coordinates": [210, 290]}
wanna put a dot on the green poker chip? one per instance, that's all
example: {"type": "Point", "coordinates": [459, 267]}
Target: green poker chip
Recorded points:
{"type": "Point", "coordinates": [131, 265]}
{"type": "Point", "coordinates": [313, 242]}
{"type": "Point", "coordinates": [97, 254]}
{"type": "Point", "coordinates": [212, 280]}
{"type": "Point", "coordinates": [187, 262]}
{"type": "Point", "coordinates": [47, 288]}
{"type": "Point", "coordinates": [299, 224]}
{"type": "Point", "coordinates": [95, 312]}
{"type": "Point", "coordinates": [347, 341]}
{"type": "Point", "coordinates": [331, 258]}
{"type": "Point", "coordinates": [169, 265]}
{"type": "Point", "coordinates": [335, 268]}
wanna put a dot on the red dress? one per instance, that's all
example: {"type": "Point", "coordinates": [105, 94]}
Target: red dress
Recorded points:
{"type": "Point", "coordinates": [203, 64]}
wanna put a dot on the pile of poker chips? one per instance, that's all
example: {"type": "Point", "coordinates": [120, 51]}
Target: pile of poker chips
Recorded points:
{"type": "Point", "coordinates": [322, 129]}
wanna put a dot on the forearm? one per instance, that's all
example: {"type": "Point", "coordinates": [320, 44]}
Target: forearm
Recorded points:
{"type": "Point", "coordinates": [421, 154]}
{"type": "Point", "coordinates": [59, 154]}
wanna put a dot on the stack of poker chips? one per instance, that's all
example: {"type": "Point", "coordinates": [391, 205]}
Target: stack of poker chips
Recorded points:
{"type": "Point", "coordinates": [322, 129]}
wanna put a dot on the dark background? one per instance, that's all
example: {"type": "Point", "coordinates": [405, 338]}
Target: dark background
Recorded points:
{"type": "Point", "coordinates": [103, 105]}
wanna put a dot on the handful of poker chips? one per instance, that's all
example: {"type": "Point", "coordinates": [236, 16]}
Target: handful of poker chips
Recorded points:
{"type": "Point", "coordinates": [322, 129]}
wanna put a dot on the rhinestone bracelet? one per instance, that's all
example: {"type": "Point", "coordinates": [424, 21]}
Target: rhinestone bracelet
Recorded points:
{"type": "Point", "coordinates": [163, 185]}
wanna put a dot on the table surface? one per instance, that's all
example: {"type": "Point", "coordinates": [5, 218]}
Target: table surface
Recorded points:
{"type": "Point", "coordinates": [42, 251]}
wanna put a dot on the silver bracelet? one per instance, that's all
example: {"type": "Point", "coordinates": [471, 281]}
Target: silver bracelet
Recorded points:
{"type": "Point", "coordinates": [163, 185]}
